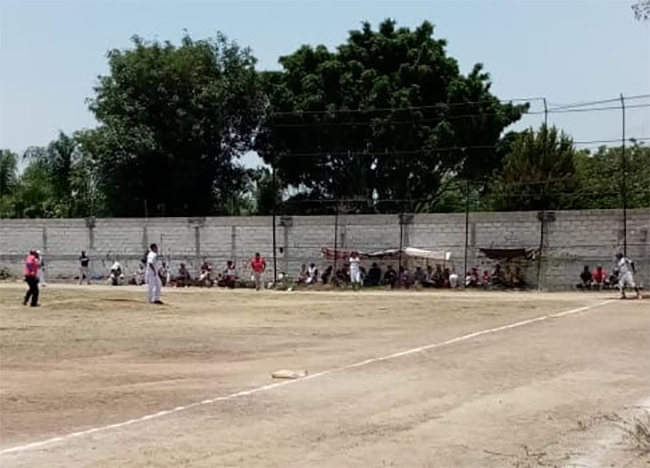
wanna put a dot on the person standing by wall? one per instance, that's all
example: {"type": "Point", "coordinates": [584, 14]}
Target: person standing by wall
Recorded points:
{"type": "Point", "coordinates": [152, 277]}
{"type": "Point", "coordinates": [84, 261]}
{"type": "Point", "coordinates": [31, 278]}
{"type": "Point", "coordinates": [355, 270]}
{"type": "Point", "coordinates": [258, 265]}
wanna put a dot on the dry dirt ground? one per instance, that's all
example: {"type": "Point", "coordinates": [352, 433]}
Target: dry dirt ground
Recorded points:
{"type": "Point", "coordinates": [540, 393]}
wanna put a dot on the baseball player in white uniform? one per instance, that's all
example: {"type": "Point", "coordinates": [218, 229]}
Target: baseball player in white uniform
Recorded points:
{"type": "Point", "coordinates": [626, 275]}
{"type": "Point", "coordinates": [355, 270]}
{"type": "Point", "coordinates": [152, 277]}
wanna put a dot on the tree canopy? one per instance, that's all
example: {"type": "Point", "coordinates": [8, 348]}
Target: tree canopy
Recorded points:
{"type": "Point", "coordinates": [173, 123]}
{"type": "Point", "coordinates": [387, 116]}
{"type": "Point", "coordinates": [383, 123]}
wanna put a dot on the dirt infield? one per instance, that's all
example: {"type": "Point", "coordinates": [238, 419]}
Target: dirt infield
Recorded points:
{"type": "Point", "coordinates": [543, 392]}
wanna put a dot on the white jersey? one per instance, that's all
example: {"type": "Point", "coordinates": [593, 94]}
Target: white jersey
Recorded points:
{"type": "Point", "coordinates": [152, 261]}
{"type": "Point", "coordinates": [355, 263]}
{"type": "Point", "coordinates": [624, 266]}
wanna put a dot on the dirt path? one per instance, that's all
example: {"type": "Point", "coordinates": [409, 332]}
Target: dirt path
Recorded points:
{"type": "Point", "coordinates": [531, 395]}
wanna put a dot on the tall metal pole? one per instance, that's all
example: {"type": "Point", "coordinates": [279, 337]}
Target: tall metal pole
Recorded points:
{"type": "Point", "coordinates": [275, 250]}
{"type": "Point", "coordinates": [623, 156]}
{"type": "Point", "coordinates": [336, 237]}
{"type": "Point", "coordinates": [542, 212]}
{"type": "Point", "coordinates": [466, 228]}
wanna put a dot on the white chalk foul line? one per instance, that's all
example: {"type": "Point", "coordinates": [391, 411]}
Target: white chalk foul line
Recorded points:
{"type": "Point", "coordinates": [272, 386]}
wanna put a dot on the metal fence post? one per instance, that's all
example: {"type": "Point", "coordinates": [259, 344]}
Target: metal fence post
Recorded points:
{"type": "Point", "coordinates": [624, 175]}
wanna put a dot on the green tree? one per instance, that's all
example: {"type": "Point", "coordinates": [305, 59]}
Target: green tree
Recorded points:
{"type": "Point", "coordinates": [57, 161]}
{"type": "Point", "coordinates": [8, 171]}
{"type": "Point", "coordinates": [641, 10]}
{"type": "Point", "coordinates": [539, 173]}
{"type": "Point", "coordinates": [33, 196]}
{"type": "Point", "coordinates": [173, 121]}
{"type": "Point", "coordinates": [387, 116]}
{"type": "Point", "coordinates": [601, 176]}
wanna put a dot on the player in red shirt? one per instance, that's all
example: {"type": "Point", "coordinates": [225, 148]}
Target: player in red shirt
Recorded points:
{"type": "Point", "coordinates": [31, 277]}
{"type": "Point", "coordinates": [258, 265]}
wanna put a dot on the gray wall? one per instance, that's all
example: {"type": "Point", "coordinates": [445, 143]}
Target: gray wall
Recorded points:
{"type": "Point", "coordinates": [573, 239]}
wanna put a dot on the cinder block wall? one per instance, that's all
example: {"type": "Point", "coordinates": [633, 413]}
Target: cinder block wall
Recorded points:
{"type": "Point", "coordinates": [571, 240]}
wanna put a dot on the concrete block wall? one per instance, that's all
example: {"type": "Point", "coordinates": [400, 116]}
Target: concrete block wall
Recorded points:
{"type": "Point", "coordinates": [573, 239]}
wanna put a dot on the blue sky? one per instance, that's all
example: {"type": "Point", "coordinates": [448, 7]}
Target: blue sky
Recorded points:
{"type": "Point", "coordinates": [568, 51]}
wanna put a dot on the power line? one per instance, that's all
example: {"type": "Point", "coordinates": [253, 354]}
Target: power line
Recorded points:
{"type": "Point", "coordinates": [448, 105]}
{"type": "Point", "coordinates": [377, 121]}
{"type": "Point", "coordinates": [592, 103]}
{"type": "Point", "coordinates": [394, 153]}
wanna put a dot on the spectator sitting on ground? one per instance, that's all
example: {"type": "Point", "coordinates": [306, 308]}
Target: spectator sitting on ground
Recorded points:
{"type": "Point", "coordinates": [405, 280]}
{"type": "Point", "coordinates": [374, 276]}
{"type": "Point", "coordinates": [498, 277]}
{"type": "Point", "coordinates": [585, 279]}
{"type": "Point", "coordinates": [600, 277]}
{"type": "Point", "coordinates": [468, 280]}
{"type": "Point", "coordinates": [453, 280]}
{"type": "Point", "coordinates": [116, 274]}
{"type": "Point", "coordinates": [230, 276]}
{"type": "Point", "coordinates": [138, 276]}
{"type": "Point", "coordinates": [445, 278]}
{"type": "Point", "coordinates": [164, 274]}
{"type": "Point", "coordinates": [420, 276]}
{"type": "Point", "coordinates": [438, 277]}
{"type": "Point", "coordinates": [205, 277]}
{"type": "Point", "coordinates": [183, 279]}
{"type": "Point", "coordinates": [613, 278]}
{"type": "Point", "coordinates": [486, 280]}
{"type": "Point", "coordinates": [302, 276]}
{"type": "Point", "coordinates": [312, 274]}
{"type": "Point", "coordinates": [327, 274]}
{"type": "Point", "coordinates": [390, 277]}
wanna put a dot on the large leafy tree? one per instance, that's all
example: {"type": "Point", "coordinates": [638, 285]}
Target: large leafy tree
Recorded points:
{"type": "Point", "coordinates": [601, 177]}
{"type": "Point", "coordinates": [8, 171]}
{"type": "Point", "coordinates": [173, 121]}
{"type": "Point", "coordinates": [539, 172]}
{"type": "Point", "coordinates": [387, 116]}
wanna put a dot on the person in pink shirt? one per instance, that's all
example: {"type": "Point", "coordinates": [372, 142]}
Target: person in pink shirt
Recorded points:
{"type": "Point", "coordinates": [31, 278]}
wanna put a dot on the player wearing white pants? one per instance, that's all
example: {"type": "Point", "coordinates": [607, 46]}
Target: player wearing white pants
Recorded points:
{"type": "Point", "coordinates": [152, 277]}
{"type": "Point", "coordinates": [626, 275]}
{"type": "Point", "coordinates": [355, 270]}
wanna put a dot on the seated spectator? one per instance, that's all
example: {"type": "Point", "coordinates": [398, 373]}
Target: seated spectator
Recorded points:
{"type": "Point", "coordinates": [374, 276]}
{"type": "Point", "coordinates": [116, 274]}
{"type": "Point", "coordinates": [164, 274]}
{"type": "Point", "coordinates": [302, 276]}
{"type": "Point", "coordinates": [517, 278]}
{"type": "Point", "coordinates": [585, 279]}
{"type": "Point", "coordinates": [205, 277]}
{"type": "Point", "coordinates": [390, 277]}
{"type": "Point", "coordinates": [453, 280]}
{"type": "Point", "coordinates": [229, 277]}
{"type": "Point", "coordinates": [404, 277]}
{"type": "Point", "coordinates": [498, 277]}
{"type": "Point", "coordinates": [486, 280]}
{"type": "Point", "coordinates": [138, 276]}
{"type": "Point", "coordinates": [364, 274]}
{"type": "Point", "coordinates": [613, 278]}
{"type": "Point", "coordinates": [468, 279]}
{"type": "Point", "coordinates": [327, 274]}
{"type": "Point", "coordinates": [599, 277]}
{"type": "Point", "coordinates": [312, 274]}
{"type": "Point", "coordinates": [420, 276]}
{"type": "Point", "coordinates": [438, 277]}
{"type": "Point", "coordinates": [445, 278]}
{"type": "Point", "coordinates": [183, 278]}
